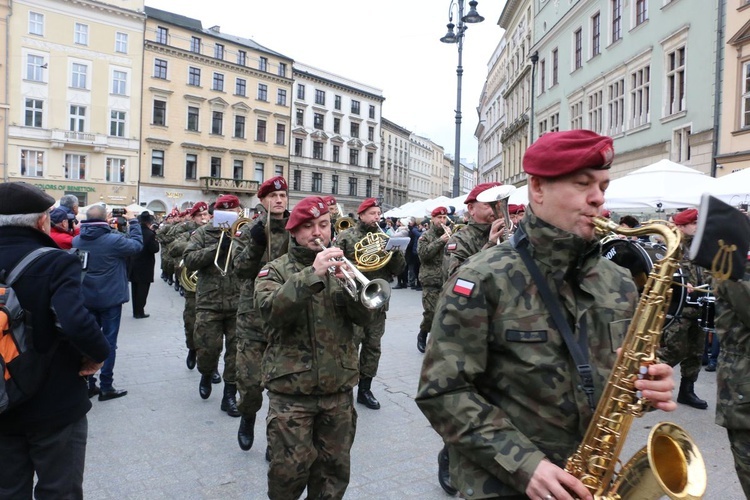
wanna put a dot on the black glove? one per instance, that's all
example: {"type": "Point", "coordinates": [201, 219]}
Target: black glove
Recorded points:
{"type": "Point", "coordinates": [225, 242]}
{"type": "Point", "coordinates": [258, 234]}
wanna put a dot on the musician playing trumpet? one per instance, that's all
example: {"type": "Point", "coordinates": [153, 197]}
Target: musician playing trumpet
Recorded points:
{"type": "Point", "coordinates": [310, 365]}
{"type": "Point", "coordinates": [430, 251]}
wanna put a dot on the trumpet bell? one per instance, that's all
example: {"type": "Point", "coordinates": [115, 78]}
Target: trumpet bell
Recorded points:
{"type": "Point", "coordinates": [496, 193]}
{"type": "Point", "coordinates": [343, 223]}
{"type": "Point", "coordinates": [375, 294]}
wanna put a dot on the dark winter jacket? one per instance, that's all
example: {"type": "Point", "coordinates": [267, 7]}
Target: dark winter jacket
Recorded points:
{"type": "Point", "coordinates": [141, 268]}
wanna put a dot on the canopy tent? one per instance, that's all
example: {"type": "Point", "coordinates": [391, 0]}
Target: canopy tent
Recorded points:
{"type": "Point", "coordinates": [733, 188]}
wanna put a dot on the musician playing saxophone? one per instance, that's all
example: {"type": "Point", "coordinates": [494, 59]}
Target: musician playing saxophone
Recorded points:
{"type": "Point", "coordinates": [498, 382]}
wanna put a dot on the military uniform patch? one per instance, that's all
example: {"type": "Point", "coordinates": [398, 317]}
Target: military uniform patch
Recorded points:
{"type": "Point", "coordinates": [451, 247]}
{"type": "Point", "coordinates": [263, 273]}
{"type": "Point", "coordinates": [463, 287]}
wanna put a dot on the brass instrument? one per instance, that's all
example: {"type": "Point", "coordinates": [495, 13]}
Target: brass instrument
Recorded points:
{"type": "Point", "coordinates": [343, 223]}
{"type": "Point", "coordinates": [499, 195]}
{"type": "Point", "coordinates": [229, 231]}
{"type": "Point", "coordinates": [670, 463]}
{"type": "Point", "coordinates": [188, 280]}
{"type": "Point", "coordinates": [373, 294]}
{"type": "Point", "coordinates": [447, 230]}
{"type": "Point", "coordinates": [370, 253]}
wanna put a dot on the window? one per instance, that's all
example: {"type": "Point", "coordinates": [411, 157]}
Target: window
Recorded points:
{"type": "Point", "coordinates": [542, 75]}
{"type": "Point", "coordinates": [282, 69]}
{"type": "Point", "coordinates": [297, 146]}
{"type": "Point", "coordinates": [297, 180]}
{"type": "Point", "coordinates": [32, 163]}
{"type": "Point", "coordinates": [78, 118]}
{"type": "Point", "coordinates": [616, 20]}
{"type": "Point", "coordinates": [162, 34]}
{"type": "Point", "coordinates": [337, 125]}
{"type": "Point", "coordinates": [595, 112]}
{"type": "Point", "coordinates": [616, 106]}
{"type": "Point", "coordinates": [675, 81]}
{"type": "Point", "coordinates": [354, 130]}
{"type": "Point", "coordinates": [280, 134]}
{"type": "Point", "coordinates": [260, 131]}
{"type": "Point", "coordinates": [117, 123]}
{"type": "Point", "coordinates": [195, 46]}
{"type": "Point", "coordinates": [354, 157]}
{"type": "Point", "coordinates": [554, 123]}
{"type": "Point", "coordinates": [300, 119]}
{"type": "Point", "coordinates": [355, 107]}
{"type": "Point", "coordinates": [193, 118]}
{"type": "Point", "coordinates": [280, 170]}
{"type": "Point", "coordinates": [33, 113]}
{"type": "Point", "coordinates": [36, 24]}
{"type": "Point", "coordinates": [317, 182]}
{"type": "Point", "coordinates": [240, 87]}
{"type": "Point", "coordinates": [263, 64]}
{"type": "Point", "coordinates": [119, 83]}
{"type": "Point", "coordinates": [334, 184]}
{"type": "Point", "coordinates": [542, 127]}
{"type": "Point", "coordinates": [352, 186]}
{"type": "Point", "coordinates": [194, 76]}
{"type": "Point", "coordinates": [370, 133]}
{"type": "Point", "coordinates": [318, 120]}
{"type": "Point", "coordinates": [554, 67]}
{"type": "Point", "coordinates": [300, 91]}
{"type": "Point", "coordinates": [578, 47]}
{"type": "Point", "coordinates": [259, 169]}
{"type": "Point", "coordinates": [370, 161]}
{"type": "Point", "coordinates": [745, 95]}
{"type": "Point", "coordinates": [115, 170]}
{"type": "Point", "coordinates": [80, 71]}
{"type": "Point", "coordinates": [191, 166]}
{"type": "Point", "coordinates": [34, 68]}
{"type": "Point", "coordinates": [320, 97]}
{"type": "Point", "coordinates": [160, 112]}
{"type": "Point", "coordinates": [81, 34]}
{"type": "Point", "coordinates": [157, 163]}
{"type": "Point", "coordinates": [121, 43]}
{"type": "Point", "coordinates": [368, 188]}
{"type": "Point", "coordinates": [337, 102]}
{"type": "Point", "coordinates": [372, 112]}
{"type": "Point", "coordinates": [595, 35]}
{"type": "Point", "coordinates": [238, 170]}
{"type": "Point", "coordinates": [239, 126]}
{"type": "Point", "coordinates": [640, 96]}
{"type": "Point", "coordinates": [281, 97]}
{"type": "Point", "coordinates": [241, 57]}
{"type": "Point", "coordinates": [160, 69]}
{"type": "Point", "coordinates": [681, 145]}
{"type": "Point", "coordinates": [262, 92]}
{"type": "Point", "coordinates": [576, 115]}
{"type": "Point", "coordinates": [219, 51]}
{"type": "Point", "coordinates": [217, 122]}
{"type": "Point", "coordinates": [215, 167]}
{"type": "Point", "coordinates": [337, 154]}
{"type": "Point", "coordinates": [75, 167]}
{"type": "Point", "coordinates": [218, 82]}
{"type": "Point", "coordinates": [641, 12]}
{"type": "Point", "coordinates": [318, 150]}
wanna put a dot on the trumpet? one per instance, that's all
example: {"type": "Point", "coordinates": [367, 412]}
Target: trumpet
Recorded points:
{"type": "Point", "coordinates": [447, 230]}
{"type": "Point", "coordinates": [499, 195]}
{"type": "Point", "coordinates": [372, 294]}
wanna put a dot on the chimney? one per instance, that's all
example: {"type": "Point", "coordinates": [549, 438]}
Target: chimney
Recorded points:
{"type": "Point", "coordinates": [216, 28]}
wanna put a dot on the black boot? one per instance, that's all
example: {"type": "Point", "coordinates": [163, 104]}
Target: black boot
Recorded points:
{"type": "Point", "coordinates": [444, 475]}
{"type": "Point", "coordinates": [421, 341]}
{"type": "Point", "coordinates": [246, 432]}
{"type": "Point", "coordinates": [687, 395]}
{"type": "Point", "coordinates": [229, 401]}
{"type": "Point", "coordinates": [364, 394]}
{"type": "Point", "coordinates": [190, 360]}
{"type": "Point", "coordinates": [204, 386]}
{"type": "Point", "coordinates": [215, 377]}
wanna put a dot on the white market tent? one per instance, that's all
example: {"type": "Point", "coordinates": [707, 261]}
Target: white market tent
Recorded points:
{"type": "Point", "coordinates": [733, 188]}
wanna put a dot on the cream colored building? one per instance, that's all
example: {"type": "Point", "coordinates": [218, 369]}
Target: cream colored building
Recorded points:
{"type": "Point", "coordinates": [421, 153]}
{"type": "Point", "coordinates": [216, 114]}
{"type": "Point", "coordinates": [492, 124]}
{"type": "Point", "coordinates": [394, 164]}
{"type": "Point", "coordinates": [4, 76]}
{"type": "Point", "coordinates": [438, 186]}
{"type": "Point", "coordinates": [74, 95]}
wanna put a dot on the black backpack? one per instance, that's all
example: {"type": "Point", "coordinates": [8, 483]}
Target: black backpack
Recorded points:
{"type": "Point", "coordinates": [23, 368]}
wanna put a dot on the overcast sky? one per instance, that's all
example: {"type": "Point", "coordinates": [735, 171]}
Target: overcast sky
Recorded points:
{"type": "Point", "coordinates": [393, 45]}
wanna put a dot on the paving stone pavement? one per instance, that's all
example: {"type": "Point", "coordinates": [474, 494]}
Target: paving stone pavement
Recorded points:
{"type": "Point", "coordinates": [163, 441]}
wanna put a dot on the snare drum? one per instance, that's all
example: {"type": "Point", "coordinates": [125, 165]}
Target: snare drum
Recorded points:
{"type": "Point", "coordinates": [639, 257]}
{"type": "Point", "coordinates": [708, 312]}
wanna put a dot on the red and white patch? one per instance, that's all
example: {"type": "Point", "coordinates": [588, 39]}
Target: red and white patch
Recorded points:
{"type": "Point", "coordinates": [263, 273]}
{"type": "Point", "coordinates": [463, 287]}
{"type": "Point", "coordinates": [451, 247]}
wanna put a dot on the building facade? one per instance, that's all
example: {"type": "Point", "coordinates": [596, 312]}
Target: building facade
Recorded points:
{"type": "Point", "coordinates": [492, 123]}
{"type": "Point", "coordinates": [216, 114]}
{"type": "Point", "coordinates": [394, 164]}
{"type": "Point", "coordinates": [74, 94]}
{"type": "Point", "coordinates": [4, 79]}
{"type": "Point", "coordinates": [421, 154]}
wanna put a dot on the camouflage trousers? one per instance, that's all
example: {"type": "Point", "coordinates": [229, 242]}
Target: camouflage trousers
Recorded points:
{"type": "Point", "coordinates": [310, 440]}
{"type": "Point", "coordinates": [212, 329]}
{"type": "Point", "coordinates": [369, 339]}
{"type": "Point", "coordinates": [740, 444]}
{"type": "Point", "coordinates": [683, 343]}
{"type": "Point", "coordinates": [249, 375]}
{"type": "Point", "coordinates": [430, 296]}
{"type": "Point", "coordinates": [188, 318]}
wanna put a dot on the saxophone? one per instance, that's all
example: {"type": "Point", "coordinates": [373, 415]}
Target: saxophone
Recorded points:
{"type": "Point", "coordinates": [670, 464]}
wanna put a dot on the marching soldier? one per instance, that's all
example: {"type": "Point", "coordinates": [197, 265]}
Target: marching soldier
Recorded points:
{"type": "Point", "coordinates": [516, 213]}
{"type": "Point", "coordinates": [167, 266]}
{"type": "Point", "coordinates": [265, 241]}
{"type": "Point", "coordinates": [430, 250]}
{"type": "Point", "coordinates": [215, 306]}
{"type": "Point", "coordinates": [310, 366]}
{"type": "Point", "coordinates": [369, 357]}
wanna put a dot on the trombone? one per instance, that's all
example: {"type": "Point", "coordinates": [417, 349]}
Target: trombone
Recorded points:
{"type": "Point", "coordinates": [229, 230]}
{"type": "Point", "coordinates": [499, 195]}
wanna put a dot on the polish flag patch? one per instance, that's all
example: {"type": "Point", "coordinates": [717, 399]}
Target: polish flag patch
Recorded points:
{"type": "Point", "coordinates": [263, 273]}
{"type": "Point", "coordinates": [463, 287]}
{"type": "Point", "coordinates": [451, 247]}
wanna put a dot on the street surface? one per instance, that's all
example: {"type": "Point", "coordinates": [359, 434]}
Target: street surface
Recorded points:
{"type": "Point", "coordinates": [163, 441]}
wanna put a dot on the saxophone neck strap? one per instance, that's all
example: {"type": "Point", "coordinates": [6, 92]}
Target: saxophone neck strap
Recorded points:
{"type": "Point", "coordinates": [578, 349]}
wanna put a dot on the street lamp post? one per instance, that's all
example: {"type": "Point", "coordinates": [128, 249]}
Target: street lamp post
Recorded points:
{"type": "Point", "coordinates": [458, 37]}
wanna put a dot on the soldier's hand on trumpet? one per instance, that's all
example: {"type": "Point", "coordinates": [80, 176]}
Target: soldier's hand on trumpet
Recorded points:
{"type": "Point", "coordinates": [497, 229]}
{"type": "Point", "coordinates": [325, 262]}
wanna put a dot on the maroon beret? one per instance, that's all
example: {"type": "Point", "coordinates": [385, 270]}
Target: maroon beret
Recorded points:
{"type": "Point", "coordinates": [479, 188]}
{"type": "Point", "coordinates": [368, 203]}
{"type": "Point", "coordinates": [514, 209]}
{"type": "Point", "coordinates": [685, 217]}
{"type": "Point", "coordinates": [439, 211]}
{"type": "Point", "coordinates": [308, 209]}
{"type": "Point", "coordinates": [227, 202]}
{"type": "Point", "coordinates": [560, 153]}
{"type": "Point", "coordinates": [182, 214]}
{"type": "Point", "coordinates": [198, 208]}
{"type": "Point", "coordinates": [329, 200]}
{"type": "Point", "coordinates": [277, 183]}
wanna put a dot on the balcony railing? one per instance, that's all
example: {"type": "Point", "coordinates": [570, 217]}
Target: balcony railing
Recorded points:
{"type": "Point", "coordinates": [61, 137]}
{"type": "Point", "coordinates": [221, 185]}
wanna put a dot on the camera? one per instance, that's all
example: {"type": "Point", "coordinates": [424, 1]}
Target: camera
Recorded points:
{"type": "Point", "coordinates": [118, 212]}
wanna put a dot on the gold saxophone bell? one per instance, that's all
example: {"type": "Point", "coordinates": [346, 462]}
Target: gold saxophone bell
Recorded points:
{"type": "Point", "coordinates": [188, 280]}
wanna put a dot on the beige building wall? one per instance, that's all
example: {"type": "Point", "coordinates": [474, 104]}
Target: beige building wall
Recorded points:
{"type": "Point", "coordinates": [4, 75]}
{"type": "Point", "coordinates": [436, 171]}
{"type": "Point", "coordinates": [394, 164]}
{"type": "Point", "coordinates": [216, 114]}
{"type": "Point", "coordinates": [420, 168]}
{"type": "Point", "coordinates": [72, 65]}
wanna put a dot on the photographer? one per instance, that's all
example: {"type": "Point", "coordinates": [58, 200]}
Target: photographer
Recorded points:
{"type": "Point", "coordinates": [61, 228]}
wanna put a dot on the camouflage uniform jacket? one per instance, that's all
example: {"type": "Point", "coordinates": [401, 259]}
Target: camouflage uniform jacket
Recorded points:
{"type": "Point", "coordinates": [430, 251]}
{"type": "Point", "coordinates": [215, 292]}
{"type": "Point", "coordinates": [311, 345]}
{"type": "Point", "coordinates": [498, 383]}
{"type": "Point", "coordinates": [346, 241]}
{"type": "Point", "coordinates": [180, 236]}
{"type": "Point", "coordinates": [162, 237]}
{"type": "Point", "coordinates": [695, 275]}
{"type": "Point", "coordinates": [470, 240]}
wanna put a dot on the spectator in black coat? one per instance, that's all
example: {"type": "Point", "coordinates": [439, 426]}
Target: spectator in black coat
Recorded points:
{"type": "Point", "coordinates": [141, 272]}
{"type": "Point", "coordinates": [46, 435]}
